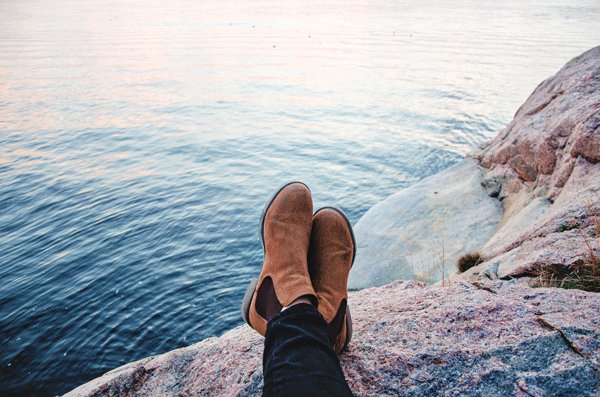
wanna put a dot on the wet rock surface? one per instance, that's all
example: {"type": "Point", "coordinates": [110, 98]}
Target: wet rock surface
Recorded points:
{"type": "Point", "coordinates": [469, 339]}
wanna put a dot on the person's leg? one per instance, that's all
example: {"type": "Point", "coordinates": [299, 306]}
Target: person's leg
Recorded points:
{"type": "Point", "coordinates": [299, 359]}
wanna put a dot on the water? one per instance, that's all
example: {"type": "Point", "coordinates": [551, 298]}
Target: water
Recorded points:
{"type": "Point", "coordinates": [139, 142]}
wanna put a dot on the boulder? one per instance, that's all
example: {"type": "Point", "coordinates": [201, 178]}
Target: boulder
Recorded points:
{"type": "Point", "coordinates": [468, 339]}
{"type": "Point", "coordinates": [545, 169]}
{"type": "Point", "coordinates": [420, 232]}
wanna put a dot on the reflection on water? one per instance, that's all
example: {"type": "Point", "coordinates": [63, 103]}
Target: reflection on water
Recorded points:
{"type": "Point", "coordinates": [140, 140]}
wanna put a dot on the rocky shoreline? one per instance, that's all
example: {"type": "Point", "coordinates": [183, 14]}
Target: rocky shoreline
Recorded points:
{"type": "Point", "coordinates": [527, 200]}
{"type": "Point", "coordinates": [543, 169]}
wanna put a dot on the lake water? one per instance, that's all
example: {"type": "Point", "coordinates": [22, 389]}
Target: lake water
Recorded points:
{"type": "Point", "coordinates": [139, 141]}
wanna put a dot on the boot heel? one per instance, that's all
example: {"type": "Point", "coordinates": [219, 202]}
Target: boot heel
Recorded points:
{"type": "Point", "coordinates": [247, 300]}
{"type": "Point", "coordinates": [348, 329]}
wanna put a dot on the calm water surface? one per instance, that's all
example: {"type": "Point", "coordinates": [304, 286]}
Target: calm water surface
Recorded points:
{"type": "Point", "coordinates": [139, 142]}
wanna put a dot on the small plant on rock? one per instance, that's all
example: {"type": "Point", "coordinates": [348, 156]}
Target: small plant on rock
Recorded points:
{"type": "Point", "coordinates": [583, 274]}
{"type": "Point", "coordinates": [468, 261]}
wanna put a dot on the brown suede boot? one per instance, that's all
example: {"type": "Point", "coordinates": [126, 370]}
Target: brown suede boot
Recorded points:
{"type": "Point", "coordinates": [285, 234]}
{"type": "Point", "coordinates": [330, 256]}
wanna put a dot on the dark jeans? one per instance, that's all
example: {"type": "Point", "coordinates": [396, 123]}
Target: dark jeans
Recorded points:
{"type": "Point", "coordinates": [299, 359]}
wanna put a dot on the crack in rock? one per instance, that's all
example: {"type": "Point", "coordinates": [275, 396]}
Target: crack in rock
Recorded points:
{"type": "Point", "coordinates": [574, 348]}
{"type": "Point", "coordinates": [483, 287]}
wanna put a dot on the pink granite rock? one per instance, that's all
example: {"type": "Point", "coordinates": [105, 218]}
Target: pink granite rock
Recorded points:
{"type": "Point", "coordinates": [468, 339]}
{"type": "Point", "coordinates": [550, 151]}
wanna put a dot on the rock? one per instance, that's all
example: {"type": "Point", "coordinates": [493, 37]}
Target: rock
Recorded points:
{"type": "Point", "coordinates": [587, 139]}
{"type": "Point", "coordinates": [516, 226]}
{"type": "Point", "coordinates": [414, 233]}
{"type": "Point", "coordinates": [469, 339]}
{"type": "Point", "coordinates": [558, 123]}
{"type": "Point", "coordinates": [544, 169]}
{"type": "Point", "coordinates": [227, 366]}
{"type": "Point", "coordinates": [492, 186]}
{"type": "Point", "coordinates": [525, 171]}
{"type": "Point", "coordinates": [546, 162]}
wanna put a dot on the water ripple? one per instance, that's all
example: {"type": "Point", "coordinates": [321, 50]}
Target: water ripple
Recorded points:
{"type": "Point", "coordinates": [139, 141]}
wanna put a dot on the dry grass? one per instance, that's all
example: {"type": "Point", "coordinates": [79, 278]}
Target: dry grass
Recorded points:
{"type": "Point", "coordinates": [468, 261]}
{"type": "Point", "coordinates": [432, 263]}
{"type": "Point", "coordinates": [584, 274]}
